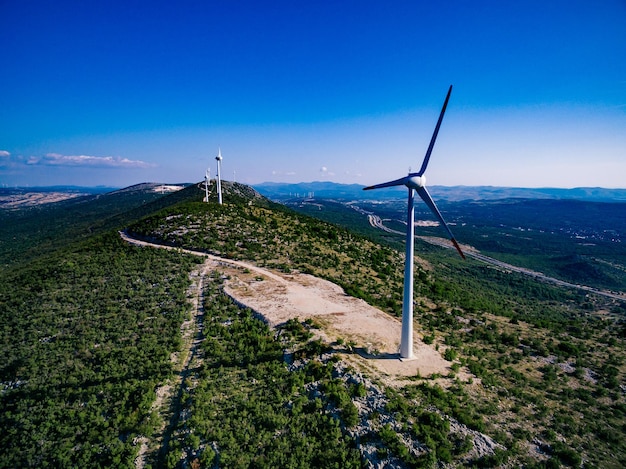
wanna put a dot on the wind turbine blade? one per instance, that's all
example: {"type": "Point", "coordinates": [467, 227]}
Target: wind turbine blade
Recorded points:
{"type": "Point", "coordinates": [423, 193]}
{"type": "Point", "coordinates": [434, 137]}
{"type": "Point", "coordinates": [397, 182]}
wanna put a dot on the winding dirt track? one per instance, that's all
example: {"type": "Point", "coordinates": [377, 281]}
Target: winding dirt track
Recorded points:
{"type": "Point", "coordinates": [168, 394]}
{"type": "Point", "coordinates": [371, 333]}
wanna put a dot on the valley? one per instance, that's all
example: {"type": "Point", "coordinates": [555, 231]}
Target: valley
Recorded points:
{"type": "Point", "coordinates": [575, 242]}
{"type": "Point", "coordinates": [376, 222]}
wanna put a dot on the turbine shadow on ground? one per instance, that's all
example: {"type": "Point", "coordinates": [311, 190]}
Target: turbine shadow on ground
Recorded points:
{"type": "Point", "coordinates": [364, 353]}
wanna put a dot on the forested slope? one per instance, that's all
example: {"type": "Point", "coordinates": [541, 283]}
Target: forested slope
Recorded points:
{"type": "Point", "coordinates": [36, 230]}
{"type": "Point", "coordinates": [86, 335]}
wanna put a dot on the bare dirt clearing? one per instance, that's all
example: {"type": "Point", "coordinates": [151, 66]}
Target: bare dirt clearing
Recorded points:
{"type": "Point", "coordinates": [374, 335]}
{"type": "Point", "coordinates": [31, 199]}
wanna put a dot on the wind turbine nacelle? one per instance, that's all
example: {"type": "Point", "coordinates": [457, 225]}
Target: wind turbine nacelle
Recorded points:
{"type": "Point", "coordinates": [218, 158]}
{"type": "Point", "coordinates": [416, 182]}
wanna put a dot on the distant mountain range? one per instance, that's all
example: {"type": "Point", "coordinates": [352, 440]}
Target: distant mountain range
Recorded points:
{"type": "Point", "coordinates": [67, 189]}
{"type": "Point", "coordinates": [332, 190]}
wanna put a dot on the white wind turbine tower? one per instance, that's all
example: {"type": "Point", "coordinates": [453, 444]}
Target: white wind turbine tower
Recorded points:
{"type": "Point", "coordinates": [219, 171]}
{"type": "Point", "coordinates": [207, 181]}
{"type": "Point", "coordinates": [416, 182]}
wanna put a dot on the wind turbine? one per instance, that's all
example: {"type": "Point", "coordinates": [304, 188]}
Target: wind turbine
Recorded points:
{"type": "Point", "coordinates": [207, 180]}
{"type": "Point", "coordinates": [416, 182]}
{"type": "Point", "coordinates": [219, 180]}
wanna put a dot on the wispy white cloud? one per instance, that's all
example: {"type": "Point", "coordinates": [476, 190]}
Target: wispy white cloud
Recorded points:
{"type": "Point", "coordinates": [56, 159]}
{"type": "Point", "coordinates": [283, 173]}
{"type": "Point", "coordinates": [4, 153]}
{"type": "Point", "coordinates": [324, 170]}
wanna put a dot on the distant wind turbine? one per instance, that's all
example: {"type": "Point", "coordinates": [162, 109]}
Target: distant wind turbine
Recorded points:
{"type": "Point", "coordinates": [416, 182]}
{"type": "Point", "coordinates": [207, 180]}
{"type": "Point", "coordinates": [219, 177]}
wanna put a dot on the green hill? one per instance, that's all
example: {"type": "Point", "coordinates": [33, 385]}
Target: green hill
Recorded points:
{"type": "Point", "coordinates": [90, 324]}
{"type": "Point", "coordinates": [36, 230]}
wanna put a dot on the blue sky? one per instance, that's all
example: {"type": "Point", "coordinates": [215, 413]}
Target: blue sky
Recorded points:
{"type": "Point", "coordinates": [116, 93]}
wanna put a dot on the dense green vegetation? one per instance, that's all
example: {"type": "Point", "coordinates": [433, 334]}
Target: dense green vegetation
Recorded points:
{"type": "Point", "coordinates": [245, 407]}
{"type": "Point", "coordinates": [87, 333]}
